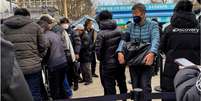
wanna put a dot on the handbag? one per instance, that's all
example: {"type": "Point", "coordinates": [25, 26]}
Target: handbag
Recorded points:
{"type": "Point", "coordinates": [136, 52]}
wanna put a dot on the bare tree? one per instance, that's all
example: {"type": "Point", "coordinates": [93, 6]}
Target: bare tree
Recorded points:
{"type": "Point", "coordinates": [76, 8]}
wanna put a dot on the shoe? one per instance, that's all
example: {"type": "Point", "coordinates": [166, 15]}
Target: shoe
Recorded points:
{"type": "Point", "coordinates": [75, 87]}
{"type": "Point", "coordinates": [79, 78]}
{"type": "Point", "coordinates": [81, 81]}
{"type": "Point", "coordinates": [87, 83]}
{"type": "Point", "coordinates": [129, 82]}
{"type": "Point", "coordinates": [95, 75]}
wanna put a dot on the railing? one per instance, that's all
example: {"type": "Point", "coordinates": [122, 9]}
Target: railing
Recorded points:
{"type": "Point", "coordinates": [133, 95]}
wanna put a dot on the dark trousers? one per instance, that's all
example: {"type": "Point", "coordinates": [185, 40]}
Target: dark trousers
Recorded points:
{"type": "Point", "coordinates": [167, 85]}
{"type": "Point", "coordinates": [56, 81]}
{"type": "Point", "coordinates": [141, 78]}
{"type": "Point", "coordinates": [34, 81]}
{"type": "Point", "coordinates": [93, 63]}
{"type": "Point", "coordinates": [72, 74]}
{"type": "Point", "coordinates": [112, 74]}
{"type": "Point", "coordinates": [86, 71]}
{"type": "Point", "coordinates": [101, 76]}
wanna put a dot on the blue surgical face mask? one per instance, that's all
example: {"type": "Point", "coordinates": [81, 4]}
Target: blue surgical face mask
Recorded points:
{"type": "Point", "coordinates": [137, 19]}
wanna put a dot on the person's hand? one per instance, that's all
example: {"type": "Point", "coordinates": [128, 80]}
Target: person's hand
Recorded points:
{"type": "Point", "coordinates": [77, 56]}
{"type": "Point", "coordinates": [149, 59]}
{"type": "Point", "coordinates": [121, 58]}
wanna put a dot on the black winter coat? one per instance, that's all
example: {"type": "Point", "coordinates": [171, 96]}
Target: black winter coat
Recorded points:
{"type": "Point", "coordinates": [181, 40]}
{"type": "Point", "coordinates": [85, 52]}
{"type": "Point", "coordinates": [75, 39]}
{"type": "Point", "coordinates": [107, 42]}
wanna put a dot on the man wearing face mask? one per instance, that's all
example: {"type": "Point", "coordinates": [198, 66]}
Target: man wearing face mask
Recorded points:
{"type": "Point", "coordinates": [66, 37]}
{"type": "Point", "coordinates": [72, 73]}
{"type": "Point", "coordinates": [88, 26]}
{"type": "Point", "coordinates": [141, 30]}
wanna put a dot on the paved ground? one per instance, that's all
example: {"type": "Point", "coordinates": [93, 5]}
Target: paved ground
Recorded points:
{"type": "Point", "coordinates": [95, 89]}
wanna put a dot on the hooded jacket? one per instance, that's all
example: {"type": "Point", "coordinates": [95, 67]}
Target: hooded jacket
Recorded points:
{"type": "Point", "coordinates": [107, 42]}
{"type": "Point", "coordinates": [28, 42]}
{"type": "Point", "coordinates": [181, 40]}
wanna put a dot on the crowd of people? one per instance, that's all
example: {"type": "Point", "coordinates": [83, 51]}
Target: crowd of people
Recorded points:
{"type": "Point", "coordinates": [67, 54]}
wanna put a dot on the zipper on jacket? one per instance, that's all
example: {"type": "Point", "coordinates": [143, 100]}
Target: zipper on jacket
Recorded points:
{"type": "Point", "coordinates": [140, 35]}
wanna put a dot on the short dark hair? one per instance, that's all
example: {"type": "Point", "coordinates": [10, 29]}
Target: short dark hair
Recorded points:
{"type": "Point", "coordinates": [46, 19]}
{"type": "Point", "coordinates": [104, 15]}
{"type": "Point", "coordinates": [64, 20]}
{"type": "Point", "coordinates": [184, 5]}
{"type": "Point", "coordinates": [139, 6]}
{"type": "Point", "coordinates": [22, 12]}
{"type": "Point", "coordinates": [43, 24]}
{"type": "Point", "coordinates": [86, 23]}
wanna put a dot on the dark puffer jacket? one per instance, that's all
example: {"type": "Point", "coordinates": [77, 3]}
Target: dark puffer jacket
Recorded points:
{"type": "Point", "coordinates": [187, 84]}
{"type": "Point", "coordinates": [85, 51]}
{"type": "Point", "coordinates": [75, 39]}
{"type": "Point", "coordinates": [181, 40]}
{"type": "Point", "coordinates": [107, 42]}
{"type": "Point", "coordinates": [28, 42]}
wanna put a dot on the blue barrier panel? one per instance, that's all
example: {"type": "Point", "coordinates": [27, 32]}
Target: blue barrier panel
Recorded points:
{"type": "Point", "coordinates": [123, 13]}
{"type": "Point", "coordinates": [160, 14]}
{"type": "Point", "coordinates": [153, 7]}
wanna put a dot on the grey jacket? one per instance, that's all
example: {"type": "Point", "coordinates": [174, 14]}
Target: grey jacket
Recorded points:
{"type": "Point", "coordinates": [13, 84]}
{"type": "Point", "coordinates": [186, 86]}
{"type": "Point", "coordinates": [56, 55]}
{"type": "Point", "coordinates": [28, 42]}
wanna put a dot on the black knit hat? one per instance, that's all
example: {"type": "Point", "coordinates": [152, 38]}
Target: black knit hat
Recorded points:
{"type": "Point", "coordinates": [183, 6]}
{"type": "Point", "coordinates": [104, 15]}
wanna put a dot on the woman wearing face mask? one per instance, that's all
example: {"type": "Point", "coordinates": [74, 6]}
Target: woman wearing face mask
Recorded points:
{"type": "Point", "coordinates": [141, 30]}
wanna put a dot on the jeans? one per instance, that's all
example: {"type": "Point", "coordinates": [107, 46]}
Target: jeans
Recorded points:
{"type": "Point", "coordinates": [34, 81]}
{"type": "Point", "coordinates": [141, 78]}
{"type": "Point", "coordinates": [67, 88]}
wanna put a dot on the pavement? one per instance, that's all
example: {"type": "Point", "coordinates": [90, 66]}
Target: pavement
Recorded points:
{"type": "Point", "coordinates": [96, 89]}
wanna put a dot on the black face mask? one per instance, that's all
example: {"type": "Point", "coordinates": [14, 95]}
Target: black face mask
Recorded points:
{"type": "Point", "coordinates": [137, 19]}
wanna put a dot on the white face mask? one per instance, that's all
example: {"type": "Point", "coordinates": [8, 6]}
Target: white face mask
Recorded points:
{"type": "Point", "coordinates": [65, 26]}
{"type": "Point", "coordinates": [92, 26]}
